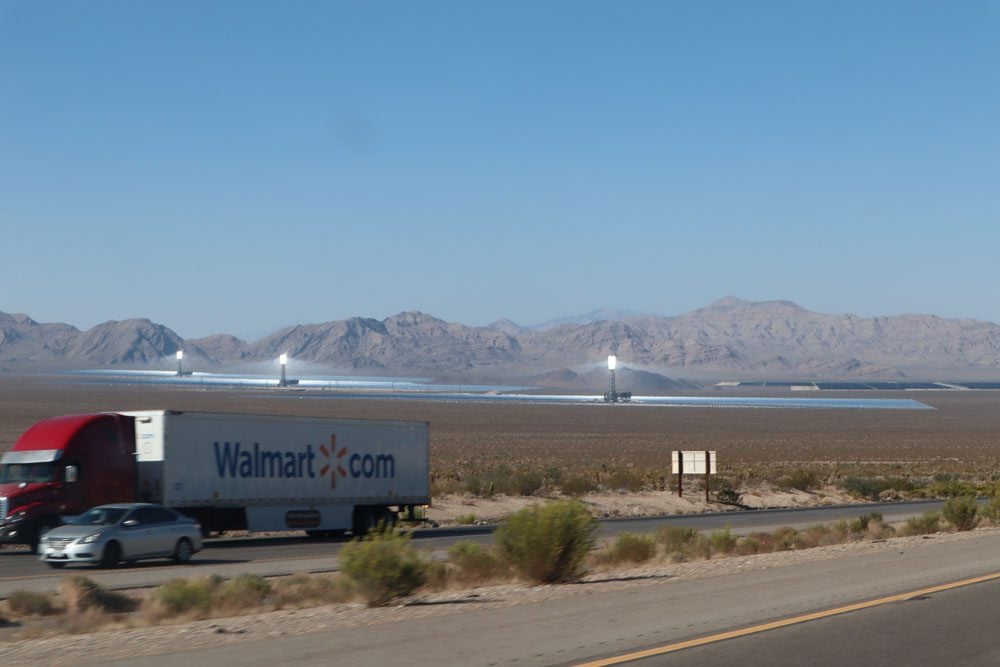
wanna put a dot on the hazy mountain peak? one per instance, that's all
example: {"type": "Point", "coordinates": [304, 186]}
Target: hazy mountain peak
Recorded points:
{"type": "Point", "coordinates": [727, 302]}
{"type": "Point", "coordinates": [507, 326]}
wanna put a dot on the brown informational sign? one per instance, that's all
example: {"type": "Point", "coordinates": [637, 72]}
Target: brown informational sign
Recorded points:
{"type": "Point", "coordinates": [693, 463]}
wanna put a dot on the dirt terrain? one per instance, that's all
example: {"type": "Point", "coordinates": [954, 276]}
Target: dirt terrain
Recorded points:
{"type": "Point", "coordinates": [962, 434]}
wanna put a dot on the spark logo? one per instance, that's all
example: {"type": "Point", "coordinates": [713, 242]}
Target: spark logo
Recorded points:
{"type": "Point", "coordinates": [339, 464]}
{"type": "Point", "coordinates": [334, 464]}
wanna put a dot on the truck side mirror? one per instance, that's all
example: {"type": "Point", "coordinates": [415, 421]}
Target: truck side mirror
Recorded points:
{"type": "Point", "coordinates": [71, 474]}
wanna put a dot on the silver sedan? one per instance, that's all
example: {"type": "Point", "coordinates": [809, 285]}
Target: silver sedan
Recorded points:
{"type": "Point", "coordinates": [109, 534]}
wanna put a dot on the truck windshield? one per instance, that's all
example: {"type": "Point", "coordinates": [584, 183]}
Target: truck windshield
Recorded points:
{"type": "Point", "coordinates": [99, 516]}
{"type": "Point", "coordinates": [15, 473]}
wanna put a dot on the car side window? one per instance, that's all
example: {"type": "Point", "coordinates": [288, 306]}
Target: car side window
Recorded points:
{"type": "Point", "coordinates": [163, 515]}
{"type": "Point", "coordinates": [143, 516]}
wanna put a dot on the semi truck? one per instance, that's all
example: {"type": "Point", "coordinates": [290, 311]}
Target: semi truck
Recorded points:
{"type": "Point", "coordinates": [228, 471]}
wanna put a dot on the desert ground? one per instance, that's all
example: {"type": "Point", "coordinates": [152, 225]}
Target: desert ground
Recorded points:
{"type": "Point", "coordinates": [624, 447]}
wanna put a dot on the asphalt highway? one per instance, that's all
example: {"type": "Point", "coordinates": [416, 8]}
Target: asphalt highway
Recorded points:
{"type": "Point", "coordinates": [951, 627]}
{"type": "Point", "coordinates": [270, 556]}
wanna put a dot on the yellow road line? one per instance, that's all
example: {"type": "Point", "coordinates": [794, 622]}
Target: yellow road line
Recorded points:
{"type": "Point", "coordinates": [773, 625]}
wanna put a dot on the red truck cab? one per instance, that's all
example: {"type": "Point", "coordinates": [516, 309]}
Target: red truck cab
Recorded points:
{"type": "Point", "coordinates": [63, 466]}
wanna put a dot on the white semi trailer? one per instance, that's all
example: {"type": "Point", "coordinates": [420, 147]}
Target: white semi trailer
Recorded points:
{"type": "Point", "coordinates": [230, 471]}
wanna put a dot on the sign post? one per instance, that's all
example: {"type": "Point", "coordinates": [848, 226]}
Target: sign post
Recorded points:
{"type": "Point", "coordinates": [693, 463]}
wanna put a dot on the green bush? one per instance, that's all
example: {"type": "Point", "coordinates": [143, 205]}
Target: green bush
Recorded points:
{"type": "Point", "coordinates": [465, 519]}
{"type": "Point", "coordinates": [925, 524]}
{"type": "Point", "coordinates": [631, 548]}
{"type": "Point", "coordinates": [800, 479]}
{"type": "Point", "coordinates": [865, 487]}
{"type": "Point", "coordinates": [30, 603]}
{"type": "Point", "coordinates": [727, 495]}
{"type": "Point", "coordinates": [991, 511]}
{"type": "Point", "coordinates": [383, 566]}
{"type": "Point", "coordinates": [962, 512]}
{"type": "Point", "coordinates": [951, 488]}
{"type": "Point", "coordinates": [185, 596]}
{"type": "Point", "coordinates": [722, 541]}
{"type": "Point", "coordinates": [80, 593]}
{"type": "Point", "coordinates": [548, 543]}
{"type": "Point", "coordinates": [474, 563]}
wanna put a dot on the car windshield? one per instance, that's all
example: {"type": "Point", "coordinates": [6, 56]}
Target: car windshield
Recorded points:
{"type": "Point", "coordinates": [15, 473]}
{"type": "Point", "coordinates": [99, 516]}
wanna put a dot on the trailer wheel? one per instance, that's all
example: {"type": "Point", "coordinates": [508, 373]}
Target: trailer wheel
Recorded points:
{"type": "Point", "coordinates": [362, 521]}
{"type": "Point", "coordinates": [387, 518]}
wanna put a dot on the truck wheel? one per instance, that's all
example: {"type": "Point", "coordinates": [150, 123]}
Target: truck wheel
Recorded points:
{"type": "Point", "coordinates": [183, 551]}
{"type": "Point", "coordinates": [112, 555]}
{"type": "Point", "coordinates": [38, 533]}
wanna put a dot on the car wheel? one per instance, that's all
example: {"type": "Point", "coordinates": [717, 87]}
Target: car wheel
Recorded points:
{"type": "Point", "coordinates": [112, 555]}
{"type": "Point", "coordinates": [182, 553]}
{"type": "Point", "coordinates": [56, 566]}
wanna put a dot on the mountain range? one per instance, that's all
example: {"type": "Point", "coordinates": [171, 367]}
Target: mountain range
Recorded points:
{"type": "Point", "coordinates": [730, 338]}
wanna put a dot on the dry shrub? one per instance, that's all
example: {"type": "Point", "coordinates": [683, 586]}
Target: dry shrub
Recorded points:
{"type": "Point", "coordinates": [81, 594]}
{"type": "Point", "coordinates": [475, 564]}
{"type": "Point", "coordinates": [800, 479]}
{"type": "Point", "coordinates": [629, 548]}
{"type": "Point", "coordinates": [962, 512]}
{"type": "Point", "coordinates": [30, 603]}
{"type": "Point", "coordinates": [625, 480]}
{"type": "Point", "coordinates": [578, 485]}
{"type": "Point", "coordinates": [925, 524]}
{"type": "Point", "coordinates": [755, 543]}
{"type": "Point", "coordinates": [676, 538]}
{"type": "Point", "coordinates": [305, 590]}
{"type": "Point", "coordinates": [184, 597]}
{"type": "Point", "coordinates": [683, 544]}
{"type": "Point", "coordinates": [245, 591]}
{"type": "Point", "coordinates": [784, 538]}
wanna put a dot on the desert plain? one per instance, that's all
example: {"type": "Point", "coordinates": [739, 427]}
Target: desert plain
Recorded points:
{"type": "Point", "coordinates": [617, 455]}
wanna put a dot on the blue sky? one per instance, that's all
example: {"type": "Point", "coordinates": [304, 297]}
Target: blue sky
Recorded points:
{"type": "Point", "coordinates": [237, 166]}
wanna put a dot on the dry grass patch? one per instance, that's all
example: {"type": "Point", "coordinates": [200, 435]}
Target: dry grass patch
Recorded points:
{"type": "Point", "coordinates": [310, 590]}
{"type": "Point", "coordinates": [30, 603]}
